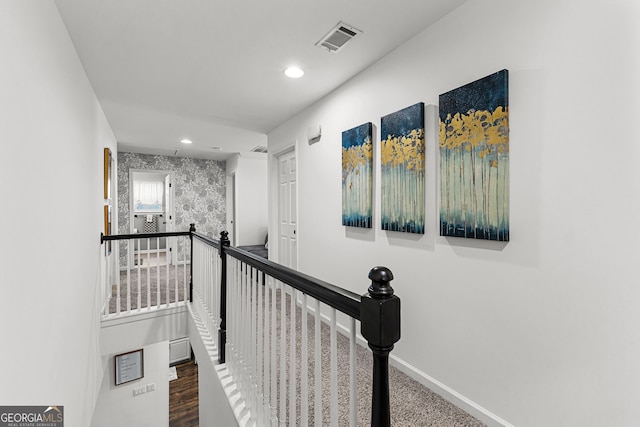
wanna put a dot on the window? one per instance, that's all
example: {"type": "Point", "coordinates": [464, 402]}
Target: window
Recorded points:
{"type": "Point", "coordinates": [148, 196]}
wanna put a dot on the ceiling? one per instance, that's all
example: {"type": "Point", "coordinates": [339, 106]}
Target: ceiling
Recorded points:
{"type": "Point", "coordinates": [212, 70]}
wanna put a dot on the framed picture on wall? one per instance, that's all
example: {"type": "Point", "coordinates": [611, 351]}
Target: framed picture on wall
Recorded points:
{"type": "Point", "coordinates": [129, 366]}
{"type": "Point", "coordinates": [108, 165]}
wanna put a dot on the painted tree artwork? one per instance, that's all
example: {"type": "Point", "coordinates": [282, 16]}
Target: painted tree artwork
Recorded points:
{"type": "Point", "coordinates": [402, 170]}
{"type": "Point", "coordinates": [474, 159]}
{"type": "Point", "coordinates": [357, 176]}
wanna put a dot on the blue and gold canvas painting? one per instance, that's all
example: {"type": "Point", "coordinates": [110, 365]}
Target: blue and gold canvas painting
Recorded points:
{"type": "Point", "coordinates": [402, 170]}
{"type": "Point", "coordinates": [357, 176]}
{"type": "Point", "coordinates": [474, 159]}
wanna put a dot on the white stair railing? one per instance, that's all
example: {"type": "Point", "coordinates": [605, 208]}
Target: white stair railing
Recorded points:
{"type": "Point", "coordinates": [277, 360]}
{"type": "Point", "coordinates": [141, 274]}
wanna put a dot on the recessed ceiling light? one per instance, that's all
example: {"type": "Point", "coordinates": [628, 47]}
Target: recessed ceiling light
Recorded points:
{"type": "Point", "coordinates": [294, 72]}
{"type": "Point", "coordinates": [186, 141]}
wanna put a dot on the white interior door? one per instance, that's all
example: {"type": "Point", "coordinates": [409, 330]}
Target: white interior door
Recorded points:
{"type": "Point", "coordinates": [287, 210]}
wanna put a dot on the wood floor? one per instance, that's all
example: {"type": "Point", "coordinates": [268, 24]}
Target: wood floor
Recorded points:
{"type": "Point", "coordinates": [183, 396]}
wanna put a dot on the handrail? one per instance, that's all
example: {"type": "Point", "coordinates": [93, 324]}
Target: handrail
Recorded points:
{"type": "Point", "coordinates": [104, 238]}
{"type": "Point", "coordinates": [341, 299]}
{"type": "Point", "coordinates": [208, 240]}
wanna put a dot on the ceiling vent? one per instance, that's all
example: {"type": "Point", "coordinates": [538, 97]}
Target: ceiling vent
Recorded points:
{"type": "Point", "coordinates": [259, 149]}
{"type": "Point", "coordinates": [338, 37]}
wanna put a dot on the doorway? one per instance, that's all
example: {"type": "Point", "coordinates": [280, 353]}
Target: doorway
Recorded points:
{"type": "Point", "coordinates": [231, 209]}
{"type": "Point", "coordinates": [151, 211]}
{"type": "Point", "coordinates": [287, 210]}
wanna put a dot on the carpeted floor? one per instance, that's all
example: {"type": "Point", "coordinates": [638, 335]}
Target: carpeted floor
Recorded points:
{"type": "Point", "coordinates": [149, 280]}
{"type": "Point", "coordinates": [412, 404]}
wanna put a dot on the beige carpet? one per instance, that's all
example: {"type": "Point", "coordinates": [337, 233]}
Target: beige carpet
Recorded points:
{"type": "Point", "coordinates": [412, 404]}
{"type": "Point", "coordinates": [149, 279]}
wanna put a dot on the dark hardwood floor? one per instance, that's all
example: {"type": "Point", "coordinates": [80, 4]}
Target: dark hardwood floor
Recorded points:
{"type": "Point", "coordinates": [183, 396]}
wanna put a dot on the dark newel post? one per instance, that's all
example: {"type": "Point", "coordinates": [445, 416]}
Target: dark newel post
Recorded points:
{"type": "Point", "coordinates": [192, 229]}
{"type": "Point", "coordinates": [380, 326]}
{"type": "Point", "coordinates": [222, 331]}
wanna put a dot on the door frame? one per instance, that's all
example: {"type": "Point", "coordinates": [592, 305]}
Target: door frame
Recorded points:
{"type": "Point", "coordinates": [231, 225]}
{"type": "Point", "coordinates": [274, 232]}
{"type": "Point", "coordinates": [170, 245]}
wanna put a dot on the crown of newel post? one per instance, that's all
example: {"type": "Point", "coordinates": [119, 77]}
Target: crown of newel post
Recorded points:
{"type": "Point", "coordinates": [380, 326]}
{"type": "Point", "coordinates": [224, 238]}
{"type": "Point", "coordinates": [380, 282]}
{"type": "Point", "coordinates": [192, 228]}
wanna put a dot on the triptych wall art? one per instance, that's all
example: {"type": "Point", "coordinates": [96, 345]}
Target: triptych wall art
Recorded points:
{"type": "Point", "coordinates": [474, 159]}
{"type": "Point", "coordinates": [402, 166]}
{"type": "Point", "coordinates": [357, 176]}
{"type": "Point", "coordinates": [474, 165]}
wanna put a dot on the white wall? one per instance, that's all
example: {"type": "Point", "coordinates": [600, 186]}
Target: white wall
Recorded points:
{"type": "Point", "coordinates": [541, 330]}
{"type": "Point", "coordinates": [118, 335]}
{"type": "Point", "coordinates": [118, 406]}
{"type": "Point", "coordinates": [251, 190]}
{"type": "Point", "coordinates": [52, 132]}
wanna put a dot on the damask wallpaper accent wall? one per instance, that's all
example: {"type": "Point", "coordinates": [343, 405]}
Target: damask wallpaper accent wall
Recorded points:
{"type": "Point", "coordinates": [200, 190]}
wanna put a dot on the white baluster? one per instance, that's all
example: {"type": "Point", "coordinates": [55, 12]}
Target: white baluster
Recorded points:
{"type": "Point", "coordinates": [274, 338]}
{"type": "Point", "coordinates": [317, 412]}
{"type": "Point", "coordinates": [148, 273]}
{"type": "Point", "coordinates": [283, 347]}
{"type": "Point", "coordinates": [175, 284]}
{"type": "Point", "coordinates": [292, 362]}
{"type": "Point", "coordinates": [185, 288]}
{"type": "Point", "coordinates": [334, 370]}
{"type": "Point", "coordinates": [129, 279]}
{"type": "Point", "coordinates": [158, 299]}
{"type": "Point", "coordinates": [304, 366]}
{"type": "Point", "coordinates": [267, 352]}
{"type": "Point", "coordinates": [168, 272]}
{"type": "Point", "coordinates": [259, 349]}
{"type": "Point", "coordinates": [254, 338]}
{"type": "Point", "coordinates": [138, 271]}
{"type": "Point", "coordinates": [353, 392]}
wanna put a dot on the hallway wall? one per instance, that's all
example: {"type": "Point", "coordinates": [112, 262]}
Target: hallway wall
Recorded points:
{"type": "Point", "coordinates": [53, 133]}
{"type": "Point", "coordinates": [541, 330]}
{"type": "Point", "coordinates": [251, 198]}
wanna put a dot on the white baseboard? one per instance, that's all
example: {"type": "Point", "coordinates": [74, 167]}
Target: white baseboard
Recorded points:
{"type": "Point", "coordinates": [449, 394]}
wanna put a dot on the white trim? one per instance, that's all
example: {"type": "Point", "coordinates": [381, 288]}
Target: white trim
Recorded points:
{"type": "Point", "coordinates": [145, 313]}
{"type": "Point", "coordinates": [274, 207]}
{"type": "Point", "coordinates": [274, 166]}
{"type": "Point", "coordinates": [449, 394]}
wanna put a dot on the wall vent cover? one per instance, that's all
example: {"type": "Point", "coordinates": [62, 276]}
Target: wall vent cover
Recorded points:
{"type": "Point", "coordinates": [259, 149]}
{"type": "Point", "coordinates": [338, 37]}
